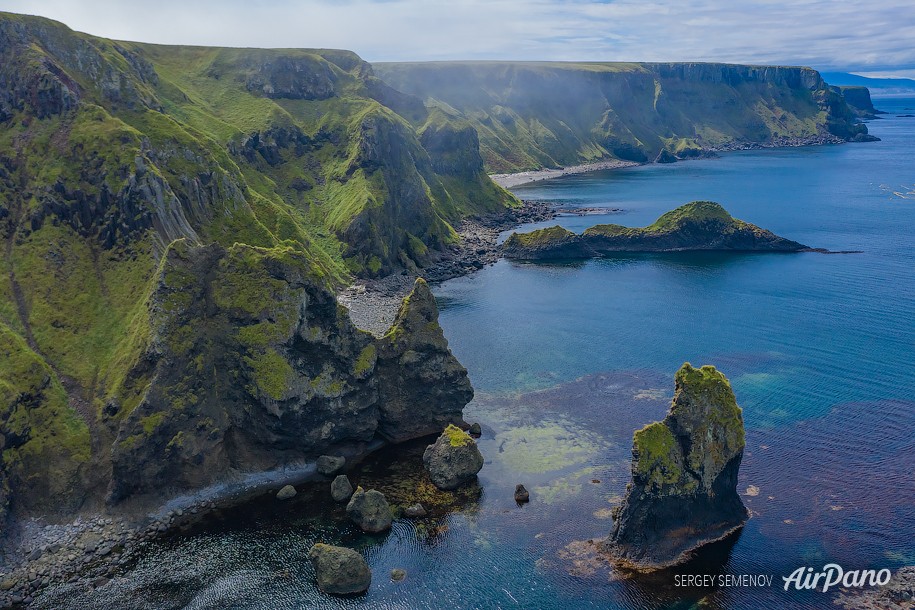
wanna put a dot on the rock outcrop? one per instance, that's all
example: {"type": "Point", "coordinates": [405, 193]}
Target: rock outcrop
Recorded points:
{"type": "Point", "coordinates": [453, 459]}
{"type": "Point", "coordinates": [423, 387]}
{"type": "Point", "coordinates": [683, 493]}
{"type": "Point", "coordinates": [339, 570]}
{"type": "Point", "coordinates": [370, 511]}
{"type": "Point", "coordinates": [700, 225]}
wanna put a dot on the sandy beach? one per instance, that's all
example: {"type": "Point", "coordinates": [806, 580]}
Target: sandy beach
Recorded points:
{"type": "Point", "coordinates": [511, 180]}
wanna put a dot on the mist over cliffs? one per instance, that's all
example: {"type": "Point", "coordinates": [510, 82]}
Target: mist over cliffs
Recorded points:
{"type": "Point", "coordinates": [548, 114]}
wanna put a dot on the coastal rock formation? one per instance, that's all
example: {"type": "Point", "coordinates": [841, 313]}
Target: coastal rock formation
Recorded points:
{"type": "Point", "coordinates": [700, 225]}
{"type": "Point", "coordinates": [859, 100]}
{"type": "Point", "coordinates": [683, 493]}
{"type": "Point", "coordinates": [534, 115]}
{"type": "Point", "coordinates": [339, 571]}
{"type": "Point", "coordinates": [454, 459]}
{"type": "Point", "coordinates": [423, 387]}
{"type": "Point", "coordinates": [370, 511]}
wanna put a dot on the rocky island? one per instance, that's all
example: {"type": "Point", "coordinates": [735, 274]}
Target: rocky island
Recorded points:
{"type": "Point", "coordinates": [683, 493]}
{"type": "Point", "coordinates": [700, 225]}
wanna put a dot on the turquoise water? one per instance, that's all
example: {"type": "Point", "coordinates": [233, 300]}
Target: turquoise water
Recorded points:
{"type": "Point", "coordinates": [567, 360]}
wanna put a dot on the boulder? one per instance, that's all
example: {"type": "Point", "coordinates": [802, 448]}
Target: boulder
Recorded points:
{"type": "Point", "coordinates": [339, 571]}
{"type": "Point", "coordinates": [330, 465]}
{"type": "Point", "coordinates": [370, 511]}
{"type": "Point", "coordinates": [521, 494]}
{"type": "Point", "coordinates": [683, 493]}
{"type": "Point", "coordinates": [475, 430]}
{"type": "Point", "coordinates": [286, 493]}
{"type": "Point", "coordinates": [341, 489]}
{"type": "Point", "coordinates": [454, 459]}
{"type": "Point", "coordinates": [415, 511]}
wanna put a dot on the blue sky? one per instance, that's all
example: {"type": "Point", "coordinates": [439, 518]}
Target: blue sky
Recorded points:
{"type": "Point", "coordinates": [874, 37]}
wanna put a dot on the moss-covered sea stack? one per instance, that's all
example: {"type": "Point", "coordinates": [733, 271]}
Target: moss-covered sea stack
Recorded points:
{"type": "Point", "coordinates": [683, 493]}
{"type": "Point", "coordinates": [700, 225]}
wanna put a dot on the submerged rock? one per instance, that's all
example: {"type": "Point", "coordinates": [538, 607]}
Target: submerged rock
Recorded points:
{"type": "Point", "coordinates": [286, 493]}
{"type": "Point", "coordinates": [453, 459]}
{"type": "Point", "coordinates": [398, 574]}
{"type": "Point", "coordinates": [339, 571]}
{"type": "Point", "coordinates": [683, 493]}
{"type": "Point", "coordinates": [522, 495]}
{"type": "Point", "coordinates": [329, 465]}
{"type": "Point", "coordinates": [370, 511]}
{"type": "Point", "coordinates": [414, 511]}
{"type": "Point", "coordinates": [341, 489]}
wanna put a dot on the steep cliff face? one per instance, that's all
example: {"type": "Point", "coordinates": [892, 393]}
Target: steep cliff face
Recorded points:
{"type": "Point", "coordinates": [683, 493]}
{"type": "Point", "coordinates": [251, 364]}
{"type": "Point", "coordinates": [531, 115]}
{"type": "Point", "coordinates": [417, 370]}
{"type": "Point", "coordinates": [858, 100]}
{"type": "Point", "coordinates": [173, 223]}
{"type": "Point", "coordinates": [700, 225]}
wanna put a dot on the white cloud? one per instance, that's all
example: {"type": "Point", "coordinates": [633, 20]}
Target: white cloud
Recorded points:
{"type": "Point", "coordinates": [873, 35]}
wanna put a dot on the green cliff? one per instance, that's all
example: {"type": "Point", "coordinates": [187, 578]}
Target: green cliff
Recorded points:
{"type": "Point", "coordinates": [174, 221]}
{"type": "Point", "coordinates": [547, 114]}
{"type": "Point", "coordinates": [700, 225]}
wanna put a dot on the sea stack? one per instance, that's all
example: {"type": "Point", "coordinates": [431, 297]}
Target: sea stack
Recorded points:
{"type": "Point", "coordinates": [683, 493]}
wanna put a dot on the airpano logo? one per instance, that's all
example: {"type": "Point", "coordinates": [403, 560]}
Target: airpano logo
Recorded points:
{"type": "Point", "coordinates": [833, 575]}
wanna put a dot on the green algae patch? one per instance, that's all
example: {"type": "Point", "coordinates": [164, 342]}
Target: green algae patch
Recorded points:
{"type": "Point", "coordinates": [550, 446]}
{"type": "Point", "coordinates": [457, 437]}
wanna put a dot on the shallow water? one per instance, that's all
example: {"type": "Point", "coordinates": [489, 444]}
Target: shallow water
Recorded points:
{"type": "Point", "coordinates": [568, 360]}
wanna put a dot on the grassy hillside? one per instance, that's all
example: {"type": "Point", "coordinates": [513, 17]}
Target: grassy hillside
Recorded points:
{"type": "Point", "coordinates": [540, 114]}
{"type": "Point", "coordinates": [112, 152]}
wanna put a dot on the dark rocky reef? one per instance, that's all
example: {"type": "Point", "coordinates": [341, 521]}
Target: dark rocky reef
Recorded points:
{"type": "Point", "coordinates": [700, 225]}
{"type": "Point", "coordinates": [683, 493]}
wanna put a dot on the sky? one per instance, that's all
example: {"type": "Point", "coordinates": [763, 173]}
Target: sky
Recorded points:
{"type": "Point", "coordinates": [872, 37]}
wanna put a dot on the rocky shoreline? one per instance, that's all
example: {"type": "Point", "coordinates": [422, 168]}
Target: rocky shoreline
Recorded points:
{"type": "Point", "coordinates": [373, 303]}
{"type": "Point", "coordinates": [517, 179]}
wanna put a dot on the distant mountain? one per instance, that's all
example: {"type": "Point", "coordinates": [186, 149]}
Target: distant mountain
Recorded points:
{"type": "Point", "coordinates": [878, 86]}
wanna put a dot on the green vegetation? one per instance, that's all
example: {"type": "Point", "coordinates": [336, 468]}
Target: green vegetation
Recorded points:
{"type": "Point", "coordinates": [540, 237]}
{"type": "Point", "coordinates": [550, 114]}
{"type": "Point", "coordinates": [457, 437]}
{"type": "Point", "coordinates": [696, 212]}
{"type": "Point", "coordinates": [657, 451]}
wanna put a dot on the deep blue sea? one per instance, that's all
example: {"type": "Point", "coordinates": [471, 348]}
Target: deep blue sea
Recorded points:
{"type": "Point", "coordinates": [569, 359]}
